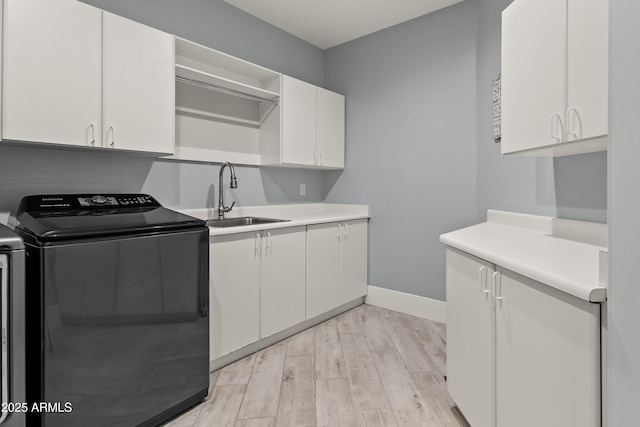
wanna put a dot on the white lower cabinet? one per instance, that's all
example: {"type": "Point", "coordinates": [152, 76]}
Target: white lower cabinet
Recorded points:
{"type": "Point", "coordinates": [547, 356]}
{"type": "Point", "coordinates": [234, 294]}
{"type": "Point", "coordinates": [470, 325]}
{"type": "Point", "coordinates": [257, 286]}
{"type": "Point", "coordinates": [353, 260]}
{"type": "Point", "coordinates": [336, 264]}
{"type": "Point", "coordinates": [264, 282]}
{"type": "Point", "coordinates": [519, 353]}
{"type": "Point", "coordinates": [323, 268]}
{"type": "Point", "coordinates": [282, 296]}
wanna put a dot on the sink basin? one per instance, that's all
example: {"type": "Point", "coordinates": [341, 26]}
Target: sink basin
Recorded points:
{"type": "Point", "coordinates": [240, 221]}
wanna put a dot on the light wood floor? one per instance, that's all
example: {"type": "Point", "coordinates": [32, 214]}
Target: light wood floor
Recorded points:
{"type": "Point", "coordinates": [366, 367]}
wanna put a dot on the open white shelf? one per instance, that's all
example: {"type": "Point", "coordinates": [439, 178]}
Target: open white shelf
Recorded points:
{"type": "Point", "coordinates": [223, 64]}
{"type": "Point", "coordinates": [206, 80]}
{"type": "Point", "coordinates": [222, 105]}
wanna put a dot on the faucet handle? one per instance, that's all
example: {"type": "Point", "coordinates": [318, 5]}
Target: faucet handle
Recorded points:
{"type": "Point", "coordinates": [231, 207]}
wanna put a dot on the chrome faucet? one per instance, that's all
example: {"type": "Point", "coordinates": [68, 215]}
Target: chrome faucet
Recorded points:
{"type": "Point", "coordinates": [222, 209]}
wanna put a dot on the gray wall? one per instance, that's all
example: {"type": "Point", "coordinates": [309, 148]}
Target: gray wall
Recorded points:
{"type": "Point", "coordinates": [419, 140]}
{"type": "Point", "coordinates": [569, 187]}
{"type": "Point", "coordinates": [411, 152]}
{"type": "Point", "coordinates": [221, 26]}
{"type": "Point", "coordinates": [519, 184]}
{"type": "Point", "coordinates": [176, 184]}
{"type": "Point", "coordinates": [418, 136]}
{"type": "Point", "coordinates": [624, 198]}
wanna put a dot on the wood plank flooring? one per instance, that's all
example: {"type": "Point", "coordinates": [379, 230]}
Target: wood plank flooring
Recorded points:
{"type": "Point", "coordinates": [368, 367]}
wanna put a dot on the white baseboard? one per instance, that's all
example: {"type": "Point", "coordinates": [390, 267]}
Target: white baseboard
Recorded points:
{"type": "Point", "coordinates": [414, 305]}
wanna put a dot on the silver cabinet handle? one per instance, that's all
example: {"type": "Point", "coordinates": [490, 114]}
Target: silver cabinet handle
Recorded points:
{"type": "Point", "coordinates": [346, 231]}
{"type": "Point", "coordinates": [484, 279]}
{"type": "Point", "coordinates": [93, 134]}
{"type": "Point", "coordinates": [321, 159]}
{"type": "Point", "coordinates": [557, 130]}
{"type": "Point", "coordinates": [574, 127]}
{"type": "Point", "coordinates": [113, 136]}
{"type": "Point", "coordinates": [339, 236]}
{"type": "Point", "coordinates": [256, 245]}
{"type": "Point", "coordinates": [315, 158]}
{"type": "Point", "coordinates": [497, 285]}
{"type": "Point", "coordinates": [267, 246]}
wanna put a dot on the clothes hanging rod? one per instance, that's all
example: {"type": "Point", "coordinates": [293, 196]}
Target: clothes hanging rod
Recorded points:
{"type": "Point", "coordinates": [224, 90]}
{"type": "Point", "coordinates": [243, 122]}
{"type": "Point", "coordinates": [194, 112]}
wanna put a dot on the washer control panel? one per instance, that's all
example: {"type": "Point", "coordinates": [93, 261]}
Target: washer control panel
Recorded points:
{"type": "Point", "coordinates": [56, 203]}
{"type": "Point", "coordinates": [123, 200]}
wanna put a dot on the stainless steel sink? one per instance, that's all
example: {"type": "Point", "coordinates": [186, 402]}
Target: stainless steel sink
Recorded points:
{"type": "Point", "coordinates": [240, 221]}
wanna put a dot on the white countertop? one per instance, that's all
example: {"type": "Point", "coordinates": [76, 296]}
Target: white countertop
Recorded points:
{"type": "Point", "coordinates": [296, 215]}
{"type": "Point", "coordinates": [570, 256]}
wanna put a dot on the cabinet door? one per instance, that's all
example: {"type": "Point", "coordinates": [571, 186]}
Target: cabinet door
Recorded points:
{"type": "Point", "coordinates": [587, 69]}
{"type": "Point", "coordinates": [323, 268]}
{"type": "Point", "coordinates": [298, 122]}
{"type": "Point", "coordinates": [51, 72]}
{"type": "Point", "coordinates": [353, 263]}
{"type": "Point", "coordinates": [282, 293]}
{"type": "Point", "coordinates": [330, 125]}
{"type": "Point", "coordinates": [235, 292]}
{"type": "Point", "coordinates": [470, 337]}
{"type": "Point", "coordinates": [138, 86]}
{"type": "Point", "coordinates": [547, 356]}
{"type": "Point", "coordinates": [533, 73]}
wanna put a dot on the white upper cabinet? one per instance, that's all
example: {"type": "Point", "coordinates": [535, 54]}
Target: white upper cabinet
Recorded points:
{"type": "Point", "coordinates": [51, 72]}
{"type": "Point", "coordinates": [138, 86]}
{"type": "Point", "coordinates": [298, 122]}
{"type": "Point", "coordinates": [533, 69]}
{"type": "Point", "coordinates": [330, 128]}
{"type": "Point", "coordinates": [587, 69]}
{"type": "Point", "coordinates": [554, 77]}
{"type": "Point", "coordinates": [75, 75]}
{"type": "Point", "coordinates": [312, 128]}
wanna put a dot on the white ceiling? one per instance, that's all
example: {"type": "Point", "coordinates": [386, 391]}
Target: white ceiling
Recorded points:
{"type": "Point", "coordinates": [327, 23]}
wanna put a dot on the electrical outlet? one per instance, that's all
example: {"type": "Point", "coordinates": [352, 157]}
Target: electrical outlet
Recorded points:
{"type": "Point", "coordinates": [303, 189]}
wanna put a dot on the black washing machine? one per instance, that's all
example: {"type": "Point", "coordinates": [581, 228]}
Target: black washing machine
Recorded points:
{"type": "Point", "coordinates": [117, 328]}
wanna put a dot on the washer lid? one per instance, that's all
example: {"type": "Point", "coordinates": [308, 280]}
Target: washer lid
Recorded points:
{"type": "Point", "coordinates": [69, 216]}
